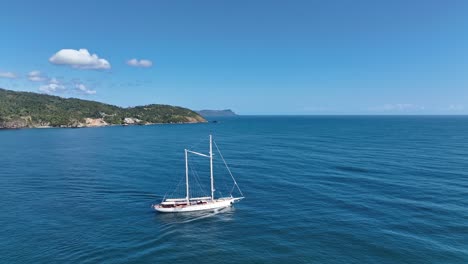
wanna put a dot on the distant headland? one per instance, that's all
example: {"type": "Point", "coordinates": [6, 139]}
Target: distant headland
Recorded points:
{"type": "Point", "coordinates": [216, 113]}
{"type": "Point", "coordinates": [33, 110]}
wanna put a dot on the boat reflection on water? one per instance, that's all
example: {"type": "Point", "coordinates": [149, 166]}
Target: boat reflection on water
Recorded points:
{"type": "Point", "coordinates": [223, 214]}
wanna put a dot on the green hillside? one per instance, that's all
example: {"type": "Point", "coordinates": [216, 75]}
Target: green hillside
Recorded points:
{"type": "Point", "coordinates": [26, 109]}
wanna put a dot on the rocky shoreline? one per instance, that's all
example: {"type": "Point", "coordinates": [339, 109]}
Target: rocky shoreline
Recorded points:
{"type": "Point", "coordinates": [88, 122]}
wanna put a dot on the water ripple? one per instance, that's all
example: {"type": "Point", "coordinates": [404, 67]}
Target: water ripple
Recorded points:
{"type": "Point", "coordinates": [318, 190]}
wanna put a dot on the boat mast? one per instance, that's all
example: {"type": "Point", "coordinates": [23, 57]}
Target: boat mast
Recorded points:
{"type": "Point", "coordinates": [186, 177]}
{"type": "Point", "coordinates": [211, 168]}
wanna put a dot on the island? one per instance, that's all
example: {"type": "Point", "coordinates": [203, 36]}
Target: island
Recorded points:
{"type": "Point", "coordinates": [34, 110]}
{"type": "Point", "coordinates": [216, 113]}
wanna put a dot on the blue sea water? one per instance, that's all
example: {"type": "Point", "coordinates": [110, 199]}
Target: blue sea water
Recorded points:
{"type": "Point", "coordinates": [319, 189]}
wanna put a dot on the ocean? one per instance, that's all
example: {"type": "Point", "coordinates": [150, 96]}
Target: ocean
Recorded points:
{"type": "Point", "coordinates": [318, 189]}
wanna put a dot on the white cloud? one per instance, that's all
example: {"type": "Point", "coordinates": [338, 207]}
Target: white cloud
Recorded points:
{"type": "Point", "coordinates": [51, 88]}
{"type": "Point", "coordinates": [140, 63]}
{"type": "Point", "coordinates": [54, 86]}
{"type": "Point", "coordinates": [83, 89]}
{"type": "Point", "coordinates": [54, 81]}
{"type": "Point", "coordinates": [455, 107]}
{"type": "Point", "coordinates": [8, 75]}
{"type": "Point", "coordinates": [36, 76]}
{"type": "Point", "coordinates": [398, 108]}
{"type": "Point", "coordinates": [79, 59]}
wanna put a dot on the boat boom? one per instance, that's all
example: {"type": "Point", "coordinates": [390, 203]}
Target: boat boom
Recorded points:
{"type": "Point", "coordinates": [198, 153]}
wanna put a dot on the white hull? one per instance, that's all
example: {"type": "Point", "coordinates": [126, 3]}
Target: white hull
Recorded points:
{"type": "Point", "coordinates": [208, 205]}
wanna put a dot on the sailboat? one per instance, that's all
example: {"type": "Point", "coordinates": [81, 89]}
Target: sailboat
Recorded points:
{"type": "Point", "coordinates": [190, 204]}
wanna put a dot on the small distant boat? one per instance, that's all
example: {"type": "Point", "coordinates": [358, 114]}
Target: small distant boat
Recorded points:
{"type": "Point", "coordinates": [190, 204]}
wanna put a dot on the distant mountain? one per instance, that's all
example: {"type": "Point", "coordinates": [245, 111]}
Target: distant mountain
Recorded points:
{"type": "Point", "coordinates": [216, 113]}
{"type": "Point", "coordinates": [26, 109]}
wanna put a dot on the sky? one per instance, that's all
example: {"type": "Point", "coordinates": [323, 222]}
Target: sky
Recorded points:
{"type": "Point", "coordinates": [252, 56]}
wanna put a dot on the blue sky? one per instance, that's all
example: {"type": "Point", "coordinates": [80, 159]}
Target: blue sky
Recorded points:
{"type": "Point", "coordinates": [255, 57]}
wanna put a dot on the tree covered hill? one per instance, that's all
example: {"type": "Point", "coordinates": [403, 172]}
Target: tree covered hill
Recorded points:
{"type": "Point", "coordinates": [26, 109]}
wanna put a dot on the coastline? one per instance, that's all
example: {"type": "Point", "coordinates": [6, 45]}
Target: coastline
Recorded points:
{"type": "Point", "coordinates": [33, 110]}
{"type": "Point", "coordinates": [104, 125]}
